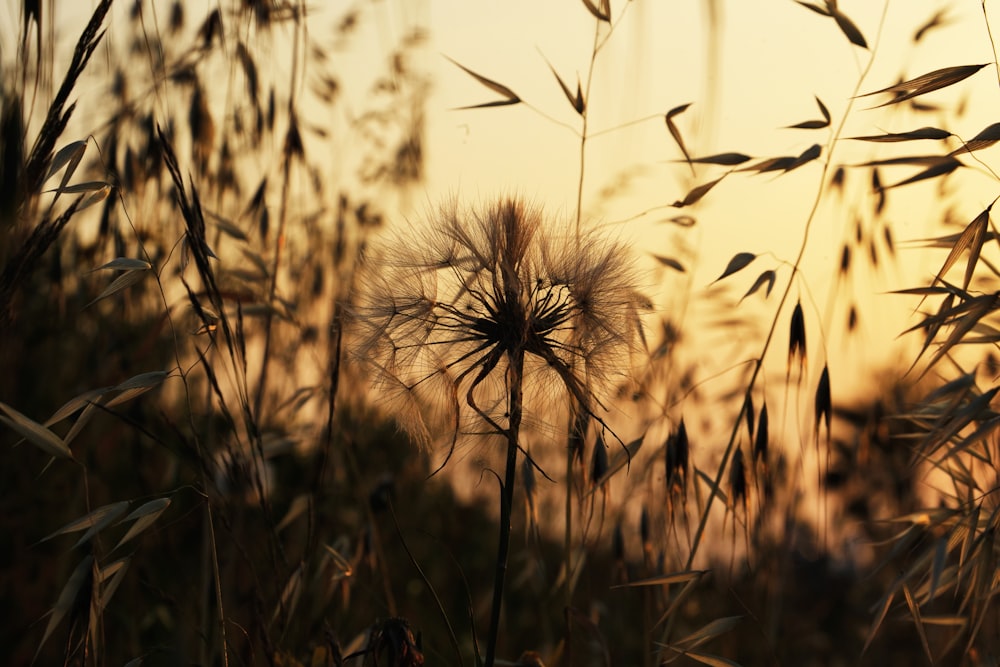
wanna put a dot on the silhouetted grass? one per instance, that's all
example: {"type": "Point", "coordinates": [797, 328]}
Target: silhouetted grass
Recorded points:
{"type": "Point", "coordinates": [195, 470]}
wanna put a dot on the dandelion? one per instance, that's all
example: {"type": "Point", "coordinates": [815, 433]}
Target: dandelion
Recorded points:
{"type": "Point", "coordinates": [460, 319]}
{"type": "Point", "coordinates": [449, 313]}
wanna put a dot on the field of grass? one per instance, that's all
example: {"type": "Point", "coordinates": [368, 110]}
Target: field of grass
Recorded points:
{"type": "Point", "coordinates": [249, 416]}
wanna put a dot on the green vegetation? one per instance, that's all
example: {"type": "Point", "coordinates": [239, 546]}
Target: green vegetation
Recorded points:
{"type": "Point", "coordinates": [236, 416]}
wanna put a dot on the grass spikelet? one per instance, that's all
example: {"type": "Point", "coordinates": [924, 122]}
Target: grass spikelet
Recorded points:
{"type": "Point", "coordinates": [738, 481]}
{"type": "Point", "coordinates": [797, 340]}
{"type": "Point", "coordinates": [676, 450]}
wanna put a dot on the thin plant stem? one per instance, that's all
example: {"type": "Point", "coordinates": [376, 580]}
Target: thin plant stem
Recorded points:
{"type": "Point", "coordinates": [515, 378]}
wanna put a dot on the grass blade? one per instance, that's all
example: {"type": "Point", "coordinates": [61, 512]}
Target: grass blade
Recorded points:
{"type": "Point", "coordinates": [124, 264]}
{"type": "Point", "coordinates": [602, 13]}
{"type": "Point", "coordinates": [847, 26]}
{"type": "Point", "coordinates": [767, 278]}
{"type": "Point", "coordinates": [697, 193]}
{"type": "Point", "coordinates": [144, 516]}
{"type": "Point", "coordinates": [912, 135]}
{"type": "Point", "coordinates": [67, 598]}
{"type": "Point", "coordinates": [675, 133]}
{"type": "Point", "coordinates": [124, 281]}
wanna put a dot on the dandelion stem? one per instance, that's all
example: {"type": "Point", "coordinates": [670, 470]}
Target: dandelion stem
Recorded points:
{"type": "Point", "coordinates": [515, 376]}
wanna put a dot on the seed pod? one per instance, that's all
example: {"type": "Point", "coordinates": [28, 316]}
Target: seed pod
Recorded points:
{"type": "Point", "coordinates": [760, 442]}
{"type": "Point", "coordinates": [677, 461]}
{"type": "Point", "coordinates": [738, 481]}
{"type": "Point", "coordinates": [618, 542]}
{"type": "Point", "coordinates": [845, 259]}
{"type": "Point", "coordinates": [599, 461]}
{"type": "Point", "coordinates": [797, 338]}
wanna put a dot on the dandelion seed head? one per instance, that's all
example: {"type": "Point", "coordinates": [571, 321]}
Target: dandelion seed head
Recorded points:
{"type": "Point", "coordinates": [443, 308]}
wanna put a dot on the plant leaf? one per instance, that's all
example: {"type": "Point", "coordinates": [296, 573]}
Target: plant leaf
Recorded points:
{"type": "Point", "coordinates": [80, 422]}
{"type": "Point", "coordinates": [926, 160]}
{"type": "Point", "coordinates": [848, 28]}
{"type": "Point", "coordinates": [675, 133]}
{"type": "Point", "coordinates": [808, 155]}
{"type": "Point", "coordinates": [739, 261]}
{"type": "Point", "coordinates": [108, 578]}
{"type": "Point", "coordinates": [922, 133]}
{"type": "Point", "coordinates": [124, 264]}
{"type": "Point", "coordinates": [822, 108]}
{"type": "Point", "coordinates": [78, 188]}
{"type": "Point", "coordinates": [727, 159]}
{"type": "Point", "coordinates": [810, 125]}
{"type": "Point", "coordinates": [772, 164]}
{"type": "Point", "coordinates": [815, 124]}
{"type": "Point", "coordinates": [926, 83]}
{"type": "Point", "coordinates": [124, 281]}
{"type": "Point", "coordinates": [84, 522]}
{"type": "Point", "coordinates": [915, 613]}
{"type": "Point", "coordinates": [510, 97]}
{"type": "Point", "coordinates": [96, 197]}
{"type": "Point", "coordinates": [76, 403]}
{"type": "Point", "coordinates": [67, 598]}
{"type": "Point", "coordinates": [972, 239]}
{"type": "Point", "coordinates": [35, 433]}
{"type": "Point", "coordinates": [576, 101]}
{"type": "Point", "coordinates": [943, 167]}
{"type": "Point", "coordinates": [113, 511]}
{"type": "Point", "coordinates": [70, 156]}
{"type": "Point", "coordinates": [146, 380]}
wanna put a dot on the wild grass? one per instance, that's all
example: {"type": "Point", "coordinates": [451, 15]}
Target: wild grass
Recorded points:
{"type": "Point", "coordinates": [208, 358]}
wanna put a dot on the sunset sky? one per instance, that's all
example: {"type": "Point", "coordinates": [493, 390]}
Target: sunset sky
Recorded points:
{"type": "Point", "coordinates": [747, 76]}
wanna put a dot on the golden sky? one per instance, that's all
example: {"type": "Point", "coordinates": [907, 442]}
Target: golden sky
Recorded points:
{"type": "Point", "coordinates": [754, 71]}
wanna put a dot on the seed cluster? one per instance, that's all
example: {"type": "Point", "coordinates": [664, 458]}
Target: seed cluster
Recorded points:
{"type": "Point", "coordinates": [443, 310]}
